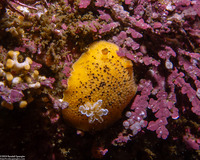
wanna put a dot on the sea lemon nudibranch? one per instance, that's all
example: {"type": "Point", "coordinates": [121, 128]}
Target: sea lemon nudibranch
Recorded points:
{"type": "Point", "coordinates": [101, 85]}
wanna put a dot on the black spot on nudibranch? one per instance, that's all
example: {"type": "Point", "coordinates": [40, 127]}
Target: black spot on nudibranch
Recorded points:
{"type": "Point", "coordinates": [102, 84]}
{"type": "Point", "coordinates": [80, 99]}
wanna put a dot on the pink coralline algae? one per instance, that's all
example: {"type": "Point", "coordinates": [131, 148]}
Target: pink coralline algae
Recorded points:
{"type": "Point", "coordinates": [84, 3]}
{"type": "Point", "coordinates": [161, 38]}
{"type": "Point", "coordinates": [155, 38]}
{"type": "Point", "coordinates": [10, 95]}
{"type": "Point", "coordinates": [172, 66]}
{"type": "Point", "coordinates": [191, 141]}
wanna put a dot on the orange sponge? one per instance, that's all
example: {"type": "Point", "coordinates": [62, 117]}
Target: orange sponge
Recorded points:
{"type": "Point", "coordinates": [100, 86]}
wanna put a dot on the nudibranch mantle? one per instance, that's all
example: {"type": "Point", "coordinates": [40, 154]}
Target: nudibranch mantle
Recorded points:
{"type": "Point", "coordinates": [101, 85]}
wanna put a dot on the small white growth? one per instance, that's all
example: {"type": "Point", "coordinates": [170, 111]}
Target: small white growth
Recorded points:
{"type": "Point", "coordinates": [152, 72]}
{"type": "Point", "coordinates": [128, 114]}
{"type": "Point", "coordinates": [131, 121]}
{"type": "Point", "coordinates": [138, 118]}
{"type": "Point", "coordinates": [142, 123]}
{"type": "Point", "coordinates": [198, 93]}
{"type": "Point", "coordinates": [170, 7]}
{"type": "Point", "coordinates": [16, 80]}
{"type": "Point", "coordinates": [143, 114]}
{"type": "Point", "coordinates": [168, 64]}
{"type": "Point", "coordinates": [93, 112]}
{"type": "Point", "coordinates": [136, 127]}
{"type": "Point", "coordinates": [42, 78]}
{"type": "Point", "coordinates": [23, 9]}
{"type": "Point", "coordinates": [35, 85]}
{"type": "Point", "coordinates": [126, 124]}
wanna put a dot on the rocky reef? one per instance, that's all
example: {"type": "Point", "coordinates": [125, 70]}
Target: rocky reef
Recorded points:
{"type": "Point", "coordinates": [41, 40]}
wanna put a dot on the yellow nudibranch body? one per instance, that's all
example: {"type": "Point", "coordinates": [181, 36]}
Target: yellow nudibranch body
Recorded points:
{"type": "Point", "coordinates": [101, 85]}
